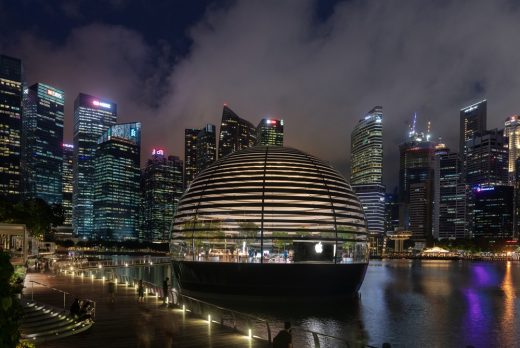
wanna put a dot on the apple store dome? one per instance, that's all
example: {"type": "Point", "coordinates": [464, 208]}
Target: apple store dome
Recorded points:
{"type": "Point", "coordinates": [270, 204]}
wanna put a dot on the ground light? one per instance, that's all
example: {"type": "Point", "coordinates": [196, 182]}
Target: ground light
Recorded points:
{"type": "Point", "coordinates": [209, 319]}
{"type": "Point", "coordinates": [250, 334]}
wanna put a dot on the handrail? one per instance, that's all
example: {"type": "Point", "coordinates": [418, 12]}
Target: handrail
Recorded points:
{"type": "Point", "coordinates": [82, 265]}
{"type": "Point", "coordinates": [55, 289]}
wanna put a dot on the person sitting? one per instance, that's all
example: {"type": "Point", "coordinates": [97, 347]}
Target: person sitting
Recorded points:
{"type": "Point", "coordinates": [75, 308]}
{"type": "Point", "coordinates": [284, 338]}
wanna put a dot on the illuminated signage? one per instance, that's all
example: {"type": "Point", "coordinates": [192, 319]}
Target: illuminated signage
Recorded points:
{"type": "Point", "coordinates": [133, 132]}
{"type": "Point", "coordinates": [68, 146]}
{"type": "Point", "coordinates": [483, 188]}
{"type": "Point", "coordinates": [159, 152]}
{"type": "Point", "coordinates": [102, 104]}
{"type": "Point", "coordinates": [54, 94]}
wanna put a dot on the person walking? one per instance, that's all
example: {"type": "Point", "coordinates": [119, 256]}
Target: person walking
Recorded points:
{"type": "Point", "coordinates": [165, 290]}
{"type": "Point", "coordinates": [112, 291]}
{"type": "Point", "coordinates": [284, 338]}
{"type": "Point", "coordinates": [140, 291]}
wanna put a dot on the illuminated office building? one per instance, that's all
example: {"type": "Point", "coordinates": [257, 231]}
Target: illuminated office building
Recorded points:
{"type": "Point", "coordinates": [68, 174]}
{"type": "Point", "coordinates": [472, 120]}
{"type": "Point", "coordinates": [235, 133]}
{"type": "Point", "coordinates": [162, 190]}
{"type": "Point", "coordinates": [367, 149]}
{"type": "Point", "coordinates": [10, 127]}
{"type": "Point", "coordinates": [492, 211]}
{"type": "Point", "coordinates": [269, 132]}
{"type": "Point", "coordinates": [416, 177]}
{"type": "Point", "coordinates": [206, 144]}
{"type": "Point", "coordinates": [42, 143]}
{"type": "Point", "coordinates": [190, 155]}
{"type": "Point", "coordinates": [512, 132]}
{"type": "Point", "coordinates": [117, 183]}
{"type": "Point", "coordinates": [367, 169]}
{"type": "Point", "coordinates": [92, 117]}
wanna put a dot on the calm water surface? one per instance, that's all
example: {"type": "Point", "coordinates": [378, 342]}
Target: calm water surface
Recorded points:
{"type": "Point", "coordinates": [412, 303]}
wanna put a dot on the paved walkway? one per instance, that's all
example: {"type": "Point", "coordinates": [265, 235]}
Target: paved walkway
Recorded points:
{"type": "Point", "coordinates": [127, 323]}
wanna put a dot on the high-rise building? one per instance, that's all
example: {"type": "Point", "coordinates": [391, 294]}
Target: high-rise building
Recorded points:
{"type": "Point", "coordinates": [117, 182]}
{"type": "Point", "coordinates": [270, 132]}
{"type": "Point", "coordinates": [391, 212]}
{"type": "Point", "coordinates": [206, 147]}
{"type": "Point", "coordinates": [472, 120]}
{"type": "Point", "coordinates": [487, 159]}
{"type": "Point", "coordinates": [42, 143]}
{"type": "Point", "coordinates": [68, 174]}
{"type": "Point", "coordinates": [449, 219]}
{"type": "Point", "coordinates": [190, 155]}
{"type": "Point", "coordinates": [416, 170]}
{"type": "Point", "coordinates": [367, 149]}
{"type": "Point", "coordinates": [10, 127]}
{"type": "Point", "coordinates": [367, 168]}
{"type": "Point", "coordinates": [235, 133]}
{"type": "Point", "coordinates": [492, 211]}
{"type": "Point", "coordinates": [162, 190]}
{"type": "Point", "coordinates": [92, 117]}
{"type": "Point", "coordinates": [512, 132]}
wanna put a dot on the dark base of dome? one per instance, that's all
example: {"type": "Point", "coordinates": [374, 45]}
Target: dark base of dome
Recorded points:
{"type": "Point", "coordinates": [294, 281]}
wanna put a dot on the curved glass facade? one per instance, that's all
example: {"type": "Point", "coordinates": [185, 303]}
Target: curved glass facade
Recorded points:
{"type": "Point", "coordinates": [269, 204]}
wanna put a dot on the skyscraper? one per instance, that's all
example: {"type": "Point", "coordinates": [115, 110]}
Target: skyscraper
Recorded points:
{"type": "Point", "coordinates": [487, 158]}
{"type": "Point", "coordinates": [270, 132]}
{"type": "Point", "coordinates": [512, 132]}
{"type": "Point", "coordinates": [92, 117]}
{"type": "Point", "coordinates": [10, 127]}
{"type": "Point", "coordinates": [391, 212]}
{"type": "Point", "coordinates": [472, 120]}
{"type": "Point", "coordinates": [190, 155]}
{"type": "Point", "coordinates": [117, 182]}
{"type": "Point", "coordinates": [163, 187]}
{"type": "Point", "coordinates": [206, 147]}
{"type": "Point", "coordinates": [42, 143]}
{"type": "Point", "coordinates": [416, 169]}
{"type": "Point", "coordinates": [450, 197]}
{"type": "Point", "coordinates": [367, 168]}
{"type": "Point", "coordinates": [68, 174]}
{"type": "Point", "coordinates": [367, 149]}
{"type": "Point", "coordinates": [492, 211]}
{"type": "Point", "coordinates": [235, 133]}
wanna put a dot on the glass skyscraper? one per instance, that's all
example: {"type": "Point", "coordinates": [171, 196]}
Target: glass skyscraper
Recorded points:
{"type": "Point", "coordinates": [512, 132]}
{"type": "Point", "coordinates": [269, 132]}
{"type": "Point", "coordinates": [206, 147]}
{"type": "Point", "coordinates": [235, 133]}
{"type": "Point", "coordinates": [42, 143]}
{"type": "Point", "coordinates": [117, 183]}
{"type": "Point", "coordinates": [68, 174]}
{"type": "Point", "coordinates": [92, 117]}
{"type": "Point", "coordinates": [163, 188]}
{"type": "Point", "coordinates": [190, 155]}
{"type": "Point", "coordinates": [472, 120]}
{"type": "Point", "coordinates": [367, 169]}
{"type": "Point", "coordinates": [10, 127]}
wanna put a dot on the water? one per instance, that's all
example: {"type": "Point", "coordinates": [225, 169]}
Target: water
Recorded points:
{"type": "Point", "coordinates": [413, 303]}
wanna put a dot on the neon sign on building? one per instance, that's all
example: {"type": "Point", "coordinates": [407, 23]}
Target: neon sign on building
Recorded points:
{"type": "Point", "coordinates": [158, 152]}
{"type": "Point", "coordinates": [54, 94]}
{"type": "Point", "coordinates": [102, 104]}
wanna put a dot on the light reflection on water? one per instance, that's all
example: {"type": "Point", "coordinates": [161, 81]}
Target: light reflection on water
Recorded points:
{"type": "Point", "coordinates": [422, 304]}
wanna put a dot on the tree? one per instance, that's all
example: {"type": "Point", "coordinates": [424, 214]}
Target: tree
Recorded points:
{"type": "Point", "coordinates": [10, 308]}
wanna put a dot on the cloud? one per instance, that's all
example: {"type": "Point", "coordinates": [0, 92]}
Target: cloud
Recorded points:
{"type": "Point", "coordinates": [322, 75]}
{"type": "Point", "coordinates": [279, 58]}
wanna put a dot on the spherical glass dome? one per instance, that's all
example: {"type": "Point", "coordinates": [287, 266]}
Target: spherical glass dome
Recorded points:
{"type": "Point", "coordinates": [270, 204]}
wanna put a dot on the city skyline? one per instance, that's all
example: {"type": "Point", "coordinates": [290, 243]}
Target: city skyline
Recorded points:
{"type": "Point", "coordinates": [327, 93]}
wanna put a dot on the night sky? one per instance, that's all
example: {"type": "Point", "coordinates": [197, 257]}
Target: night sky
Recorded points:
{"type": "Point", "coordinates": [318, 65]}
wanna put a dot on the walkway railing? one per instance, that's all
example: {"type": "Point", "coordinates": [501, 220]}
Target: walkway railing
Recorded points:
{"type": "Point", "coordinates": [112, 263]}
{"type": "Point", "coordinates": [65, 294]}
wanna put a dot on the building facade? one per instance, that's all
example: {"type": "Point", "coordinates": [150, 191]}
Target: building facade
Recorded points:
{"type": "Point", "coordinates": [512, 132]}
{"type": "Point", "coordinates": [391, 212]}
{"type": "Point", "coordinates": [67, 182]}
{"type": "Point", "coordinates": [92, 117]}
{"type": "Point", "coordinates": [270, 132]}
{"type": "Point", "coordinates": [162, 190]}
{"type": "Point", "coordinates": [473, 120]}
{"type": "Point", "coordinates": [493, 211]}
{"type": "Point", "coordinates": [42, 143]}
{"type": "Point", "coordinates": [235, 133]}
{"type": "Point", "coordinates": [117, 183]}
{"type": "Point", "coordinates": [206, 144]}
{"type": "Point", "coordinates": [10, 127]}
{"type": "Point", "coordinates": [190, 155]}
{"type": "Point", "coordinates": [366, 174]}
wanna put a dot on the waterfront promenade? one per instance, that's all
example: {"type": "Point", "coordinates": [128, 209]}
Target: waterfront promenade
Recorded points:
{"type": "Point", "coordinates": [127, 323]}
